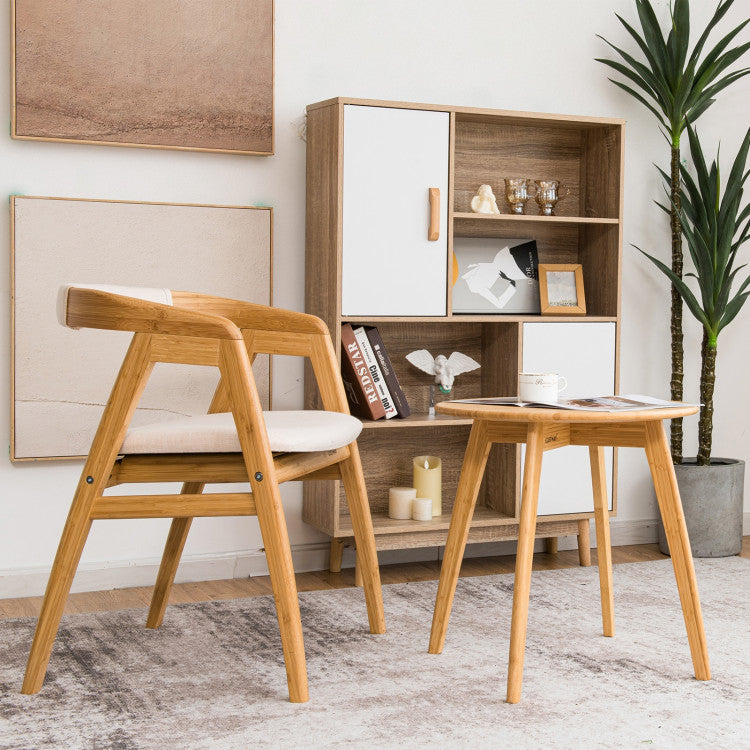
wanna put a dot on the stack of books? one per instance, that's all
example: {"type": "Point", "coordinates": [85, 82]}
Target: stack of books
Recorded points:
{"type": "Point", "coordinates": [370, 381]}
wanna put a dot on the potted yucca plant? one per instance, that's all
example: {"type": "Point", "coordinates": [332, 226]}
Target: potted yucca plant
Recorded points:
{"type": "Point", "coordinates": [716, 225]}
{"type": "Point", "coordinates": [677, 85]}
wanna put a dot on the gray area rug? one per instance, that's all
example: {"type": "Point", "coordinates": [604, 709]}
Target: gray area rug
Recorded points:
{"type": "Point", "coordinates": [213, 676]}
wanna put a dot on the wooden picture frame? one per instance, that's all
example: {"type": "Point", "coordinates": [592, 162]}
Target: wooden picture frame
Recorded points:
{"type": "Point", "coordinates": [561, 289]}
{"type": "Point", "coordinates": [147, 73]}
{"type": "Point", "coordinates": [58, 389]}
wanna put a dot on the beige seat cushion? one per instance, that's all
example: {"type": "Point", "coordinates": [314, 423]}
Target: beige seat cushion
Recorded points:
{"type": "Point", "coordinates": [288, 432]}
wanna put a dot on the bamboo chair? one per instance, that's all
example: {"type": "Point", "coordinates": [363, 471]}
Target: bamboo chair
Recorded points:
{"type": "Point", "coordinates": [235, 442]}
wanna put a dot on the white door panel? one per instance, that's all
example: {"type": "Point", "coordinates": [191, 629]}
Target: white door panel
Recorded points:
{"type": "Point", "coordinates": [391, 159]}
{"type": "Point", "coordinates": [584, 353]}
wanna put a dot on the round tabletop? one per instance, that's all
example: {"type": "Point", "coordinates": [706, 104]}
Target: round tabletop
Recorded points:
{"type": "Point", "coordinates": [505, 413]}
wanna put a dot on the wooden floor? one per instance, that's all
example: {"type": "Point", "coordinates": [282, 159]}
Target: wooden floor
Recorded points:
{"type": "Point", "coordinates": [201, 591]}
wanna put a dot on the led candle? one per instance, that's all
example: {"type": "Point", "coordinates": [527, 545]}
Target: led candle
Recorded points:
{"type": "Point", "coordinates": [428, 480]}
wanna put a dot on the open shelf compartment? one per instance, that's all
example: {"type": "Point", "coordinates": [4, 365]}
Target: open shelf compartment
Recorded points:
{"type": "Point", "coordinates": [387, 462]}
{"type": "Point", "coordinates": [584, 156]}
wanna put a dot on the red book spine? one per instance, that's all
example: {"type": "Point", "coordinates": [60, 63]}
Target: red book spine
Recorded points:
{"type": "Point", "coordinates": [360, 389]}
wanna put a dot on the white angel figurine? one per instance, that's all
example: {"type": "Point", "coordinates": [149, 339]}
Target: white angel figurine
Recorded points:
{"type": "Point", "coordinates": [484, 201]}
{"type": "Point", "coordinates": [445, 369]}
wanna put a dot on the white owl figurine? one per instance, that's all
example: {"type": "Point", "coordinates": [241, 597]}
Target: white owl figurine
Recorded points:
{"type": "Point", "coordinates": [445, 369]}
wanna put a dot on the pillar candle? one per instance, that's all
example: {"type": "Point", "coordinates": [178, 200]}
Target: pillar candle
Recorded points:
{"type": "Point", "coordinates": [400, 501]}
{"type": "Point", "coordinates": [421, 509]}
{"type": "Point", "coordinates": [428, 480]}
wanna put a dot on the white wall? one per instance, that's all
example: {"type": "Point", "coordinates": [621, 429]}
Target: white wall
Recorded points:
{"type": "Point", "coordinates": [531, 56]}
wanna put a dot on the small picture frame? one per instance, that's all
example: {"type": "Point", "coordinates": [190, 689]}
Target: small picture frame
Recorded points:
{"type": "Point", "coordinates": [561, 289]}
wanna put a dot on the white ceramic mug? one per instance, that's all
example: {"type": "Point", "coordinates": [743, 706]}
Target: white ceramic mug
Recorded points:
{"type": "Point", "coordinates": [540, 386]}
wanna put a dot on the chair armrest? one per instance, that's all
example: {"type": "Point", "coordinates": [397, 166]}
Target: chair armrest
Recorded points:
{"type": "Point", "coordinates": [250, 315]}
{"type": "Point", "coordinates": [269, 330]}
{"type": "Point", "coordinates": [92, 308]}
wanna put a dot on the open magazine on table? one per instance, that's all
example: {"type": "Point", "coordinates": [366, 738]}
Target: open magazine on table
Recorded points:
{"type": "Point", "coordinates": [629, 402]}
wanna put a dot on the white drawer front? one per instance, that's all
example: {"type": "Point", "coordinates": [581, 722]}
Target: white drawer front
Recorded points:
{"type": "Point", "coordinates": [585, 354]}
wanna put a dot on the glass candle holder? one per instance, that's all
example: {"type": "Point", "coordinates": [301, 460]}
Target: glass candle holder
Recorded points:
{"type": "Point", "coordinates": [516, 193]}
{"type": "Point", "coordinates": [548, 193]}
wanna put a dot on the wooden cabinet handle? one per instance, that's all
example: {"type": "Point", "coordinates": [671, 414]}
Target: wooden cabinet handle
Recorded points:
{"type": "Point", "coordinates": [433, 232]}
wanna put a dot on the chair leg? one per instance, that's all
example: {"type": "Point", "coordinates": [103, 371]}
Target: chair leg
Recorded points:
{"type": "Point", "coordinates": [603, 543]}
{"type": "Point", "coordinates": [670, 506]}
{"type": "Point", "coordinates": [235, 369]}
{"type": "Point", "coordinates": [131, 381]}
{"type": "Point", "coordinates": [366, 560]}
{"type": "Point", "coordinates": [279, 556]}
{"type": "Point", "coordinates": [61, 577]}
{"type": "Point", "coordinates": [178, 533]}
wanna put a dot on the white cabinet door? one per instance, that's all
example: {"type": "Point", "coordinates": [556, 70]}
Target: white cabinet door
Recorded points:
{"type": "Point", "coordinates": [392, 157]}
{"type": "Point", "coordinates": [585, 354]}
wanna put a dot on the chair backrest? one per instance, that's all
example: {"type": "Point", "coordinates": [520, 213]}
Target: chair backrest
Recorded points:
{"type": "Point", "coordinates": [187, 327]}
{"type": "Point", "coordinates": [148, 294]}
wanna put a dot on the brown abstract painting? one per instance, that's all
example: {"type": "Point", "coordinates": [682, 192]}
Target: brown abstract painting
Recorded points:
{"type": "Point", "coordinates": [187, 74]}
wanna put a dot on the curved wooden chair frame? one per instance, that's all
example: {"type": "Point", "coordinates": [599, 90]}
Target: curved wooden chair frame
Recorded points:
{"type": "Point", "coordinates": [228, 334]}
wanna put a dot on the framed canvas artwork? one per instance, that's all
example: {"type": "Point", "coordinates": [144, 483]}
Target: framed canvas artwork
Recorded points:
{"type": "Point", "coordinates": [61, 378]}
{"type": "Point", "coordinates": [495, 276]}
{"type": "Point", "coordinates": [185, 74]}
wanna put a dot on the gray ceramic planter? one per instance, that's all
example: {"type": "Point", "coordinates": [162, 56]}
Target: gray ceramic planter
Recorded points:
{"type": "Point", "coordinates": [712, 497]}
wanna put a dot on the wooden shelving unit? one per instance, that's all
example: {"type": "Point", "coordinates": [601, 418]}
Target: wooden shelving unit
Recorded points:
{"type": "Point", "coordinates": [481, 146]}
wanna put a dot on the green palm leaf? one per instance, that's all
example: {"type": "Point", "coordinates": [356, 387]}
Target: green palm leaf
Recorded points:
{"type": "Point", "coordinates": [635, 74]}
{"type": "Point", "coordinates": [703, 103]}
{"type": "Point", "coordinates": [723, 299]}
{"type": "Point", "coordinates": [652, 34]}
{"type": "Point", "coordinates": [719, 13]}
{"type": "Point", "coordinates": [735, 182]}
{"type": "Point", "coordinates": [637, 96]}
{"type": "Point", "coordinates": [715, 58]}
{"type": "Point", "coordinates": [680, 32]}
{"type": "Point", "coordinates": [647, 53]}
{"type": "Point", "coordinates": [685, 291]}
{"type": "Point", "coordinates": [733, 309]}
{"type": "Point", "coordinates": [655, 84]}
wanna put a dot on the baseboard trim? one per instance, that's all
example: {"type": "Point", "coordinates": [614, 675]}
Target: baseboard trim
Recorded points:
{"type": "Point", "coordinates": [127, 574]}
{"type": "Point", "coordinates": [15, 583]}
